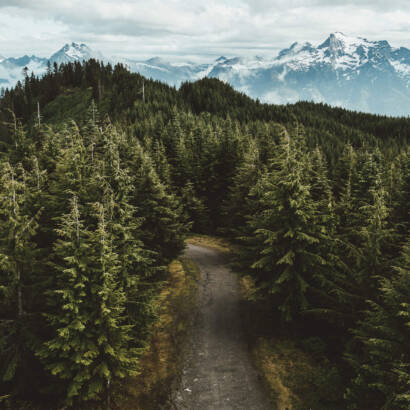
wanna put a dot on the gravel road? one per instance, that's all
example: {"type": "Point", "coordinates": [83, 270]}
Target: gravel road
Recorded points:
{"type": "Point", "coordinates": [218, 372]}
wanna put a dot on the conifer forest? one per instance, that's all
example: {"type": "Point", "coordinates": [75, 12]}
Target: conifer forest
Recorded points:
{"type": "Point", "coordinates": [100, 185]}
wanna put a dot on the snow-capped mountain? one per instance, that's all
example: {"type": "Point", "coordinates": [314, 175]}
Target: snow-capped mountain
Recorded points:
{"type": "Point", "coordinates": [351, 72]}
{"type": "Point", "coordinates": [346, 71]}
{"type": "Point", "coordinates": [75, 52]}
{"type": "Point", "coordinates": [169, 72]}
{"type": "Point", "coordinates": [11, 69]}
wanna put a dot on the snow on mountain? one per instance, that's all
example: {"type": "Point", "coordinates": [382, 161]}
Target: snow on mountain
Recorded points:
{"type": "Point", "coordinates": [74, 52]}
{"type": "Point", "coordinates": [173, 73]}
{"type": "Point", "coordinates": [346, 71]}
{"type": "Point", "coordinates": [349, 71]}
{"type": "Point", "coordinates": [11, 69]}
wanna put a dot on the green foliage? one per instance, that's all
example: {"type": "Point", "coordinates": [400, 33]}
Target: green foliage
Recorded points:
{"type": "Point", "coordinates": [287, 230]}
{"type": "Point", "coordinates": [90, 343]}
{"type": "Point", "coordinates": [383, 366]}
{"type": "Point", "coordinates": [91, 212]}
{"type": "Point", "coordinates": [72, 104]}
{"type": "Point", "coordinates": [18, 261]}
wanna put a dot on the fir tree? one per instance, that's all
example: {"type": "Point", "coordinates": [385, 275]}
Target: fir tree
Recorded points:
{"type": "Point", "coordinates": [90, 345]}
{"type": "Point", "coordinates": [163, 224]}
{"type": "Point", "coordinates": [18, 261]}
{"type": "Point", "coordinates": [287, 230]}
{"type": "Point", "coordinates": [383, 367]}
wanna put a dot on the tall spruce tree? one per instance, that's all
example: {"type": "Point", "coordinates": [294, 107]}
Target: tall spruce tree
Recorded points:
{"type": "Point", "coordinates": [90, 344]}
{"type": "Point", "coordinates": [383, 367]}
{"type": "Point", "coordinates": [18, 261]}
{"type": "Point", "coordinates": [238, 203]}
{"type": "Point", "coordinates": [163, 226]}
{"type": "Point", "coordinates": [287, 232]}
{"type": "Point", "coordinates": [363, 237]}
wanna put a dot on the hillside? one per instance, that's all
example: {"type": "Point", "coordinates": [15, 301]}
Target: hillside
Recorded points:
{"type": "Point", "coordinates": [100, 186]}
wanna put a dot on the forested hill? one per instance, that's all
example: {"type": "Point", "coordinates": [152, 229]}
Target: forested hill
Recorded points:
{"type": "Point", "coordinates": [117, 92]}
{"type": "Point", "coordinates": [102, 175]}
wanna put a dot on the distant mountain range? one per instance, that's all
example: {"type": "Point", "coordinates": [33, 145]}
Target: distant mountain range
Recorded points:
{"type": "Point", "coordinates": [11, 69]}
{"type": "Point", "coordinates": [351, 72]}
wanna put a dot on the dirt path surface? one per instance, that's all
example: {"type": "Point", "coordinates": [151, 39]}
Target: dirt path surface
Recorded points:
{"type": "Point", "coordinates": [218, 373]}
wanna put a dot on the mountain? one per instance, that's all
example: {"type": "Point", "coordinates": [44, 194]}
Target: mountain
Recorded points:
{"type": "Point", "coordinates": [345, 71]}
{"type": "Point", "coordinates": [169, 72]}
{"type": "Point", "coordinates": [75, 52]}
{"type": "Point", "coordinates": [11, 69]}
{"type": "Point", "coordinates": [351, 72]}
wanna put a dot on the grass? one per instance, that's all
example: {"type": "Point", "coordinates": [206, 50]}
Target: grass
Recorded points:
{"type": "Point", "coordinates": [247, 288]}
{"type": "Point", "coordinates": [213, 242]}
{"type": "Point", "coordinates": [296, 372]}
{"type": "Point", "coordinates": [296, 379]}
{"type": "Point", "coordinates": [266, 359]}
{"type": "Point", "coordinates": [162, 361]}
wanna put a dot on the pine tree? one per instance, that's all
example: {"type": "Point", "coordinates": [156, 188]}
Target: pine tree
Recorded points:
{"type": "Point", "coordinates": [400, 192]}
{"type": "Point", "coordinates": [363, 237]}
{"type": "Point", "coordinates": [383, 367]}
{"type": "Point", "coordinates": [194, 208]}
{"type": "Point", "coordinates": [136, 260]}
{"type": "Point", "coordinates": [18, 261]}
{"type": "Point", "coordinates": [238, 203]}
{"type": "Point", "coordinates": [161, 163]}
{"type": "Point", "coordinates": [90, 344]}
{"type": "Point", "coordinates": [287, 233]}
{"type": "Point", "coordinates": [163, 225]}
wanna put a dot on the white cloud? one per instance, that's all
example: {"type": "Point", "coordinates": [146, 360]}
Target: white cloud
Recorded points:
{"type": "Point", "coordinates": [176, 27]}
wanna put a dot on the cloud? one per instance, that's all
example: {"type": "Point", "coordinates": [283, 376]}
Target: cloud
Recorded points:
{"type": "Point", "coordinates": [177, 27]}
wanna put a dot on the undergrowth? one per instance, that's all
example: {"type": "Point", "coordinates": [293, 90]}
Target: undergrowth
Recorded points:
{"type": "Point", "coordinates": [162, 362]}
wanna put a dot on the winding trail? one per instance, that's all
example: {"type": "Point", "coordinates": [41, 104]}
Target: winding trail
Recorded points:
{"type": "Point", "coordinates": [218, 372]}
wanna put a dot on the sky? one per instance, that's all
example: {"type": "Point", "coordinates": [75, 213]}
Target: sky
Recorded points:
{"type": "Point", "coordinates": [194, 29]}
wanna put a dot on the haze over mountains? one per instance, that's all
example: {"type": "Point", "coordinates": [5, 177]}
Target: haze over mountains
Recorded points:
{"type": "Point", "coordinates": [350, 72]}
{"type": "Point", "coordinates": [11, 69]}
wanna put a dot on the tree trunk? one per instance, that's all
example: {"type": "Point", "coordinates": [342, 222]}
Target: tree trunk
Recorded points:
{"type": "Point", "coordinates": [19, 294]}
{"type": "Point", "coordinates": [108, 396]}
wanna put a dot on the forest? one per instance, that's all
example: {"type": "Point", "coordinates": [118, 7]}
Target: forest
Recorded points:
{"type": "Point", "coordinates": [100, 185]}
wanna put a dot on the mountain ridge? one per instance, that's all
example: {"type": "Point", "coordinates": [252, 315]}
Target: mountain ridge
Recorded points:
{"type": "Point", "coordinates": [350, 72]}
{"type": "Point", "coordinates": [11, 69]}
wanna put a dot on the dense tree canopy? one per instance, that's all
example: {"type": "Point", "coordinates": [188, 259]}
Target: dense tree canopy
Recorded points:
{"type": "Point", "coordinates": [97, 197]}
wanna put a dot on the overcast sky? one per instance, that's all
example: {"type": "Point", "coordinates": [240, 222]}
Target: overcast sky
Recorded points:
{"type": "Point", "coordinates": [189, 28]}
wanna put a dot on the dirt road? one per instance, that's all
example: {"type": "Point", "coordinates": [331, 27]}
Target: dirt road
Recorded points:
{"type": "Point", "coordinates": [218, 372]}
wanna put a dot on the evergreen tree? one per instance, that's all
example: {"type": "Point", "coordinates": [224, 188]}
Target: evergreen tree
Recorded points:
{"type": "Point", "coordinates": [287, 232]}
{"type": "Point", "coordinates": [238, 204]}
{"type": "Point", "coordinates": [90, 344]}
{"type": "Point", "coordinates": [383, 367]}
{"type": "Point", "coordinates": [363, 238]}
{"type": "Point", "coordinates": [18, 261]}
{"type": "Point", "coordinates": [323, 212]}
{"type": "Point", "coordinates": [163, 224]}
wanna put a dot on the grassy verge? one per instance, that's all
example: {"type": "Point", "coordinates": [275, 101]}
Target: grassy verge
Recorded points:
{"type": "Point", "coordinates": [161, 363]}
{"type": "Point", "coordinates": [219, 244]}
{"type": "Point", "coordinates": [296, 379]}
{"type": "Point", "coordinates": [295, 371]}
